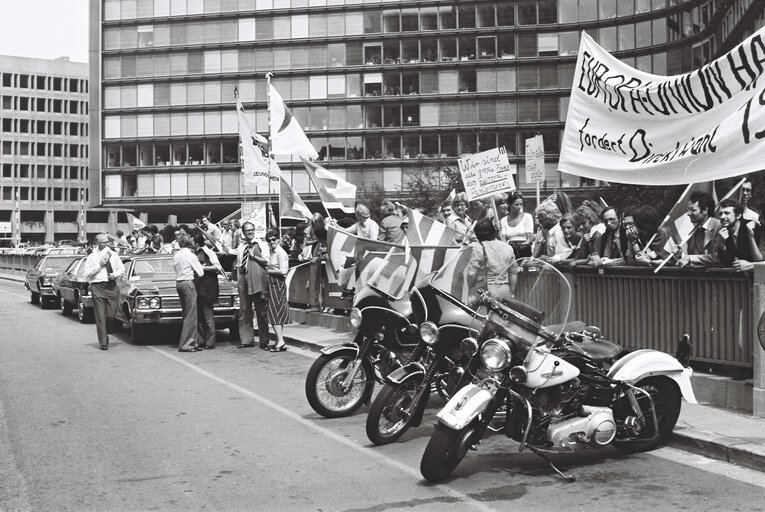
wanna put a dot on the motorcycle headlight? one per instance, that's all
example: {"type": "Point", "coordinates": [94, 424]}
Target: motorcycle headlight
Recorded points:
{"type": "Point", "coordinates": [496, 354]}
{"type": "Point", "coordinates": [429, 333]}
{"type": "Point", "coordinates": [356, 318]}
{"type": "Point", "coordinates": [469, 346]}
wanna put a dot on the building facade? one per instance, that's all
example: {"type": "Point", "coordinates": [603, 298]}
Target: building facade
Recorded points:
{"type": "Point", "coordinates": [383, 89]}
{"type": "Point", "coordinates": [44, 154]}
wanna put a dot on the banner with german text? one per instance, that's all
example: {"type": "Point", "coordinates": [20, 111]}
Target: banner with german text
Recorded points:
{"type": "Point", "coordinates": [628, 126]}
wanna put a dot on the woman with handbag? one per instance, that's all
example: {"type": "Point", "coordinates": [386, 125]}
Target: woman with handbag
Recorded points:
{"type": "Point", "coordinates": [207, 292]}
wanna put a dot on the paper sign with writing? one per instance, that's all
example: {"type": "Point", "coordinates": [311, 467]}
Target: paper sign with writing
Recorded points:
{"type": "Point", "coordinates": [255, 212]}
{"type": "Point", "coordinates": [627, 126]}
{"type": "Point", "coordinates": [486, 173]}
{"type": "Point", "coordinates": [535, 159]}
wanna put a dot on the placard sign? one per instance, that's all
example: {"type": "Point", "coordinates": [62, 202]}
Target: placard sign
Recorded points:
{"type": "Point", "coordinates": [5, 227]}
{"type": "Point", "coordinates": [255, 212]}
{"type": "Point", "coordinates": [535, 159]}
{"type": "Point", "coordinates": [486, 173]}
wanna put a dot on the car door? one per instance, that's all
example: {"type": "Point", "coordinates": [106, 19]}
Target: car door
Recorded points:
{"type": "Point", "coordinates": [33, 274]}
{"type": "Point", "coordinates": [67, 281]}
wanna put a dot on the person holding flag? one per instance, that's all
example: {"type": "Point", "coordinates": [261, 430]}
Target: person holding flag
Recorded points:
{"type": "Point", "coordinates": [702, 244]}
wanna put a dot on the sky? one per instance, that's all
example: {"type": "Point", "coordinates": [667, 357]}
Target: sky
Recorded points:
{"type": "Point", "coordinates": [44, 29]}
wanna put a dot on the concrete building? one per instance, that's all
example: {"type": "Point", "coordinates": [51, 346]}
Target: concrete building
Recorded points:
{"type": "Point", "coordinates": [382, 88]}
{"type": "Point", "coordinates": [44, 147]}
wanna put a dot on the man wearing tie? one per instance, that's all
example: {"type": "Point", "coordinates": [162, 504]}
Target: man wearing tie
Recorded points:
{"type": "Point", "coordinates": [702, 245]}
{"type": "Point", "coordinates": [102, 268]}
{"type": "Point", "coordinates": [253, 288]}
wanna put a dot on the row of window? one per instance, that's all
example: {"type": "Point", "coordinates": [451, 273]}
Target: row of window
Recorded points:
{"type": "Point", "coordinates": [43, 193]}
{"type": "Point", "coordinates": [39, 149]}
{"type": "Point", "coordinates": [529, 12]}
{"type": "Point", "coordinates": [343, 117]}
{"type": "Point", "coordinates": [42, 127]}
{"type": "Point", "coordinates": [44, 83]}
{"type": "Point", "coordinates": [369, 147]}
{"type": "Point", "coordinates": [56, 172]}
{"type": "Point", "coordinates": [25, 103]}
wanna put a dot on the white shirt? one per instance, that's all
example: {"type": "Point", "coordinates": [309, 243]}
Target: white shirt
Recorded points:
{"type": "Point", "coordinates": [369, 230]}
{"type": "Point", "coordinates": [214, 231]}
{"type": "Point", "coordinates": [186, 264]}
{"type": "Point", "coordinates": [94, 262]}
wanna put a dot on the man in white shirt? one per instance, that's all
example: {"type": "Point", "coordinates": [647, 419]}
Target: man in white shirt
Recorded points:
{"type": "Point", "coordinates": [211, 228]}
{"type": "Point", "coordinates": [364, 226]}
{"type": "Point", "coordinates": [102, 268]}
{"type": "Point", "coordinates": [186, 265]}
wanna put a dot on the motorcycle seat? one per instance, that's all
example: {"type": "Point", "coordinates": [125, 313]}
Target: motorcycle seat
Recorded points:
{"type": "Point", "coordinates": [594, 350]}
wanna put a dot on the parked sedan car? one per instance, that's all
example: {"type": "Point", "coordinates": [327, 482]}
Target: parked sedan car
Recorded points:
{"type": "Point", "coordinates": [72, 291]}
{"type": "Point", "coordinates": [39, 278]}
{"type": "Point", "coordinates": [148, 297]}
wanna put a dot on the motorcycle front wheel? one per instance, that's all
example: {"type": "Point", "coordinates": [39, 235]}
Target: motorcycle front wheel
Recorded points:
{"type": "Point", "coordinates": [444, 452]}
{"type": "Point", "coordinates": [392, 411]}
{"type": "Point", "coordinates": [666, 399]}
{"type": "Point", "coordinates": [324, 390]}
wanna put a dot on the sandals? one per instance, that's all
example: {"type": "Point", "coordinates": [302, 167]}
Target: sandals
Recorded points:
{"type": "Point", "coordinates": [278, 348]}
{"type": "Point", "coordinates": [194, 348]}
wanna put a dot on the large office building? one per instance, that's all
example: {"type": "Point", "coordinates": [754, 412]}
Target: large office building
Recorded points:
{"type": "Point", "coordinates": [383, 89]}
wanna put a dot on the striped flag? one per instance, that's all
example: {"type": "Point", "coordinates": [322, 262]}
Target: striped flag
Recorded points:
{"type": "Point", "coordinates": [426, 231]}
{"type": "Point", "coordinates": [290, 204]}
{"type": "Point", "coordinates": [391, 271]}
{"type": "Point", "coordinates": [287, 137]}
{"type": "Point", "coordinates": [341, 245]}
{"type": "Point", "coordinates": [430, 259]}
{"type": "Point", "coordinates": [677, 221]}
{"type": "Point", "coordinates": [452, 277]}
{"type": "Point", "coordinates": [333, 191]}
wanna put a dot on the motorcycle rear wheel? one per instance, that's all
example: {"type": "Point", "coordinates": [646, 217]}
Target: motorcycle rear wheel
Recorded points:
{"type": "Point", "coordinates": [444, 452]}
{"type": "Point", "coordinates": [322, 385]}
{"type": "Point", "coordinates": [666, 398]}
{"type": "Point", "coordinates": [392, 411]}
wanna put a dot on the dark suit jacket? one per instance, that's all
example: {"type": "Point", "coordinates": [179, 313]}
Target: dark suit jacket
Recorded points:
{"type": "Point", "coordinates": [742, 248]}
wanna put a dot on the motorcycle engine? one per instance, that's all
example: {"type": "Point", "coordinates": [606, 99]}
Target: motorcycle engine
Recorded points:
{"type": "Point", "coordinates": [596, 427]}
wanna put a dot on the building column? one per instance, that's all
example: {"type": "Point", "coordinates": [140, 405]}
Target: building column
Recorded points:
{"type": "Point", "coordinates": [111, 223]}
{"type": "Point", "coordinates": [49, 227]}
{"type": "Point", "coordinates": [172, 220]}
{"type": "Point", "coordinates": [758, 340]}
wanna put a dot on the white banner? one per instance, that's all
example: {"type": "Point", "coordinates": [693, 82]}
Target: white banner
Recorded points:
{"type": "Point", "coordinates": [628, 126]}
{"type": "Point", "coordinates": [486, 173]}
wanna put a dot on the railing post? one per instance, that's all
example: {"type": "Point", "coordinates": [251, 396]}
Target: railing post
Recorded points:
{"type": "Point", "coordinates": [758, 340]}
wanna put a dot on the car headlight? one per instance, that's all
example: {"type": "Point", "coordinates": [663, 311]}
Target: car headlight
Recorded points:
{"type": "Point", "coordinates": [496, 354]}
{"type": "Point", "coordinates": [236, 301]}
{"type": "Point", "coordinates": [47, 281]}
{"type": "Point", "coordinates": [148, 303]}
{"type": "Point", "coordinates": [429, 333]}
{"type": "Point", "coordinates": [356, 318]}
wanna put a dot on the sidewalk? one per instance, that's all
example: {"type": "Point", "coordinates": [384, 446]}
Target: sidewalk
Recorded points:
{"type": "Point", "coordinates": [717, 433]}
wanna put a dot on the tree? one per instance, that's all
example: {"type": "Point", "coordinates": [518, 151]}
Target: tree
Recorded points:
{"type": "Point", "coordinates": [426, 185]}
{"type": "Point", "coordinates": [372, 196]}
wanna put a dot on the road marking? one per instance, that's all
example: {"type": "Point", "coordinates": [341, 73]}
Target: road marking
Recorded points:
{"type": "Point", "coordinates": [330, 434]}
{"type": "Point", "coordinates": [717, 467]}
{"type": "Point", "coordinates": [15, 294]}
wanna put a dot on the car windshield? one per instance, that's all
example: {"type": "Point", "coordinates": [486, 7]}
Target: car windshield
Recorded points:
{"type": "Point", "coordinates": [56, 262]}
{"type": "Point", "coordinates": [153, 268]}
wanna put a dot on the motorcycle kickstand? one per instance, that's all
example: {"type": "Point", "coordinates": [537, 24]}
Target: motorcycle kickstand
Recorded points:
{"type": "Point", "coordinates": [549, 462]}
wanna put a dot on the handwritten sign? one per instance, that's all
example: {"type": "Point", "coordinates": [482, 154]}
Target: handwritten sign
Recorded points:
{"type": "Point", "coordinates": [5, 227]}
{"type": "Point", "coordinates": [255, 212]}
{"type": "Point", "coordinates": [486, 173]}
{"type": "Point", "coordinates": [535, 160]}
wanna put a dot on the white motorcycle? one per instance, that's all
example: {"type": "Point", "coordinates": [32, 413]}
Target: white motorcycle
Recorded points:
{"type": "Point", "coordinates": [550, 385]}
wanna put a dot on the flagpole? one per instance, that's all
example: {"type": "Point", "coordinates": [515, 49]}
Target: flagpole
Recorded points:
{"type": "Point", "coordinates": [270, 147]}
{"type": "Point", "coordinates": [241, 162]}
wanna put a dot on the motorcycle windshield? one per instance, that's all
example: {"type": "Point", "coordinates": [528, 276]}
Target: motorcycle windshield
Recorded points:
{"type": "Point", "coordinates": [530, 287]}
{"type": "Point", "coordinates": [391, 271]}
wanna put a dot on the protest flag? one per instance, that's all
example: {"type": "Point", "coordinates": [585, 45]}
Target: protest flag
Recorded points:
{"type": "Point", "coordinates": [135, 223]}
{"type": "Point", "coordinates": [333, 191]}
{"type": "Point", "coordinates": [287, 137]}
{"type": "Point", "coordinates": [677, 221]}
{"type": "Point", "coordinates": [256, 168]}
{"type": "Point", "coordinates": [426, 231]}
{"type": "Point", "coordinates": [290, 204]}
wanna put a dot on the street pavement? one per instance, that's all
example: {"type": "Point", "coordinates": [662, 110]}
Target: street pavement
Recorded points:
{"type": "Point", "coordinates": [148, 428]}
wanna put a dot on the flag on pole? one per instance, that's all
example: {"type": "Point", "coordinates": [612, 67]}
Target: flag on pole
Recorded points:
{"type": "Point", "coordinates": [290, 204]}
{"type": "Point", "coordinates": [287, 137]}
{"type": "Point", "coordinates": [256, 167]}
{"type": "Point", "coordinates": [135, 223]}
{"type": "Point", "coordinates": [426, 231]}
{"type": "Point", "coordinates": [333, 191]}
{"type": "Point", "coordinates": [677, 221]}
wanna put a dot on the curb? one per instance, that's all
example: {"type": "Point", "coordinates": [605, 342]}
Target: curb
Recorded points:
{"type": "Point", "coordinates": [298, 343]}
{"type": "Point", "coordinates": [728, 449]}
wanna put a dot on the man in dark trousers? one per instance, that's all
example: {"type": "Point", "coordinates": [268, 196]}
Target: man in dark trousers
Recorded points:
{"type": "Point", "coordinates": [253, 287]}
{"type": "Point", "coordinates": [102, 268]}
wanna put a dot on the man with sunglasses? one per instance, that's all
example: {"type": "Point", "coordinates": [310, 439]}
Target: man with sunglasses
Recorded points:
{"type": "Point", "coordinates": [252, 283]}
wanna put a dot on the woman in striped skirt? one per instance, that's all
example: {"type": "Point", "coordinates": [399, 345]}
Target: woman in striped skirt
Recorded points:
{"type": "Point", "coordinates": [278, 309]}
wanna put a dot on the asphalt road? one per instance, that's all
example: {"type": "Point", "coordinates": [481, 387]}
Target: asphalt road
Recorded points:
{"type": "Point", "coordinates": [149, 428]}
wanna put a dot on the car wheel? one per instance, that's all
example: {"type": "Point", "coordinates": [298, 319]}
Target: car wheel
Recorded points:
{"type": "Point", "coordinates": [84, 315]}
{"type": "Point", "coordinates": [66, 307]}
{"type": "Point", "coordinates": [34, 298]}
